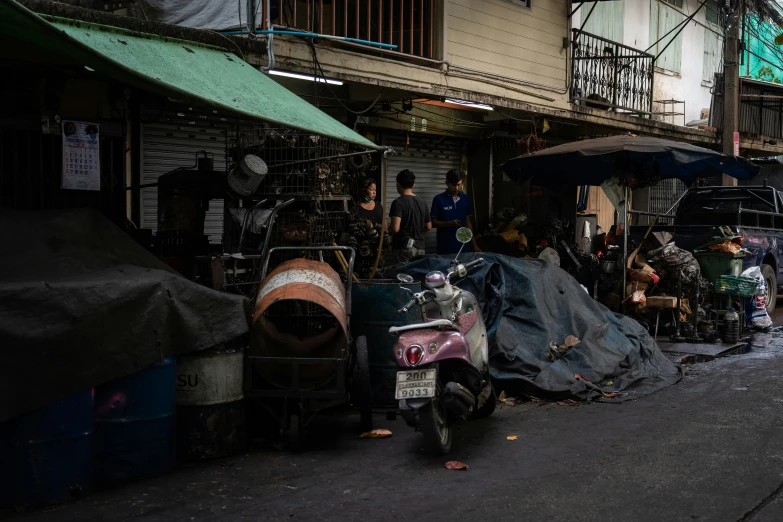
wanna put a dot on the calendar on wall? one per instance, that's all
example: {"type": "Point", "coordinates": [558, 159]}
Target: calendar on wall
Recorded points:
{"type": "Point", "coordinates": [81, 165]}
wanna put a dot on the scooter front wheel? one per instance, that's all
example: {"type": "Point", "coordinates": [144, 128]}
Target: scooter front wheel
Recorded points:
{"type": "Point", "coordinates": [436, 427]}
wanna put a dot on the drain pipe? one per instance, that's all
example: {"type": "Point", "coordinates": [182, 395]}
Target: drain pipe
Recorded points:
{"type": "Point", "coordinates": [270, 39]}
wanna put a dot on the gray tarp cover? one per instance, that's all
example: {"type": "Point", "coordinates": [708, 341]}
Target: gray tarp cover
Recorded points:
{"type": "Point", "coordinates": [529, 303]}
{"type": "Point", "coordinates": [81, 303]}
{"type": "Point", "coordinates": [199, 14]}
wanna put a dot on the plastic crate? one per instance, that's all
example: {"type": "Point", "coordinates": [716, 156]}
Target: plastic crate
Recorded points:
{"type": "Point", "coordinates": [739, 286]}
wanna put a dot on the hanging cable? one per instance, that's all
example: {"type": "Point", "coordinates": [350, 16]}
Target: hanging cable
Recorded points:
{"type": "Point", "coordinates": [323, 76]}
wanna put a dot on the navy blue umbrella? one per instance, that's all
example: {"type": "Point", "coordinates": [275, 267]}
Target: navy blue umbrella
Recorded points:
{"type": "Point", "coordinates": [636, 161]}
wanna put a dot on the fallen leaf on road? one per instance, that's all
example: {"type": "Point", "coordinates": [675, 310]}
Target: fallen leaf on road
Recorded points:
{"type": "Point", "coordinates": [512, 437]}
{"type": "Point", "coordinates": [502, 397]}
{"type": "Point", "coordinates": [376, 434]}
{"type": "Point", "coordinates": [610, 395]}
{"type": "Point", "coordinates": [581, 378]}
{"type": "Point", "coordinates": [455, 464]}
{"type": "Point", "coordinates": [610, 383]}
{"type": "Point", "coordinates": [561, 404]}
{"type": "Point", "coordinates": [571, 341]}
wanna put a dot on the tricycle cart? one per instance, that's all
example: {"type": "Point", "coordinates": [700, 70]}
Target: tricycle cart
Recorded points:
{"type": "Point", "coordinates": [303, 359]}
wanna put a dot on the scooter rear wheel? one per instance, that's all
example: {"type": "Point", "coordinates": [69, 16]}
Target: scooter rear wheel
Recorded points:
{"type": "Point", "coordinates": [436, 427]}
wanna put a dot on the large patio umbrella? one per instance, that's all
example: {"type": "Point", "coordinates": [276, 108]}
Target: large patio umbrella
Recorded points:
{"type": "Point", "coordinates": [632, 161]}
{"type": "Point", "coordinates": [636, 161]}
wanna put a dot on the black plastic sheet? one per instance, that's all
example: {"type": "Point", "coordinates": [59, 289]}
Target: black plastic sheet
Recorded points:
{"type": "Point", "coordinates": [529, 303]}
{"type": "Point", "coordinates": [81, 303]}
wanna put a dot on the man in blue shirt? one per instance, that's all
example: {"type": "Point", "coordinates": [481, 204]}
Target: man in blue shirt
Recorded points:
{"type": "Point", "coordinates": [452, 210]}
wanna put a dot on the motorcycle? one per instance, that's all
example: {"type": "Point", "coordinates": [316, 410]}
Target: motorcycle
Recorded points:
{"type": "Point", "coordinates": [446, 372]}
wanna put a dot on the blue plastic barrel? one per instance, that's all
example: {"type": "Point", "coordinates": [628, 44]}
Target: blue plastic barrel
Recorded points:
{"type": "Point", "coordinates": [373, 310]}
{"type": "Point", "coordinates": [46, 455]}
{"type": "Point", "coordinates": [135, 425]}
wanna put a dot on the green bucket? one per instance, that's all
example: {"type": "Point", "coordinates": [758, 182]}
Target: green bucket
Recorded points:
{"type": "Point", "coordinates": [715, 264]}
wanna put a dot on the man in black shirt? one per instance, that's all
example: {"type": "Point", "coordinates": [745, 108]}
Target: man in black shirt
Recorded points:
{"type": "Point", "coordinates": [410, 220]}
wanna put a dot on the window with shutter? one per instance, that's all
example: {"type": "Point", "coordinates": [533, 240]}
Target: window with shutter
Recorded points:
{"type": "Point", "coordinates": [663, 20]}
{"type": "Point", "coordinates": [606, 20]}
{"type": "Point", "coordinates": [713, 52]}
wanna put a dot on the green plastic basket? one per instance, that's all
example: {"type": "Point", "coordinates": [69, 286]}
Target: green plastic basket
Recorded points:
{"type": "Point", "coordinates": [739, 286]}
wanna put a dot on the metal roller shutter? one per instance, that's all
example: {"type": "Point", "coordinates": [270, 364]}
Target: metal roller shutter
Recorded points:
{"type": "Point", "coordinates": [166, 147]}
{"type": "Point", "coordinates": [429, 157]}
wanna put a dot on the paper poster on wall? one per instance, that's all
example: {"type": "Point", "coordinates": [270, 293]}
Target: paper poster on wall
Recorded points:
{"type": "Point", "coordinates": [81, 165]}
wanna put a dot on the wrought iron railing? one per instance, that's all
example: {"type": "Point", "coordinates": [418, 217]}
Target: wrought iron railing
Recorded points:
{"type": "Point", "coordinates": [408, 26]}
{"type": "Point", "coordinates": [610, 75]}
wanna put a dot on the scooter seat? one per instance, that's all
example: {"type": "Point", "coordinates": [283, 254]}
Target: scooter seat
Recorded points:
{"type": "Point", "coordinates": [437, 323]}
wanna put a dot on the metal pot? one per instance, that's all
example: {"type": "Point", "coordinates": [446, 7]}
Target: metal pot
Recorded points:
{"type": "Point", "coordinates": [247, 175]}
{"type": "Point", "coordinates": [607, 266]}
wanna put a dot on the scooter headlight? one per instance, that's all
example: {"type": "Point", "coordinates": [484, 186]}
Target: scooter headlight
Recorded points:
{"type": "Point", "coordinates": [414, 354]}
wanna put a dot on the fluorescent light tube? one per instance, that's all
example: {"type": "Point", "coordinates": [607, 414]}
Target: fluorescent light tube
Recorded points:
{"type": "Point", "coordinates": [305, 77]}
{"type": "Point", "coordinates": [469, 104]}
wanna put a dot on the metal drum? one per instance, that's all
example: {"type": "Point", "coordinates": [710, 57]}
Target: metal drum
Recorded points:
{"type": "Point", "coordinates": [46, 455]}
{"type": "Point", "coordinates": [135, 424]}
{"type": "Point", "coordinates": [210, 405]}
{"type": "Point", "coordinates": [375, 308]}
{"type": "Point", "coordinates": [300, 312]}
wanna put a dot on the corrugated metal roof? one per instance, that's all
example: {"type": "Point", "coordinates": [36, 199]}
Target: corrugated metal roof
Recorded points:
{"type": "Point", "coordinates": [180, 69]}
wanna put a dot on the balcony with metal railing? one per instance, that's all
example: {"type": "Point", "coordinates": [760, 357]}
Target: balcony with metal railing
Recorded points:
{"type": "Point", "coordinates": [609, 75]}
{"type": "Point", "coordinates": [403, 29]}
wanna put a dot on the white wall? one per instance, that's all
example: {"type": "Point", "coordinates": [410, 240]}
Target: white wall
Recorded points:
{"type": "Point", "coordinates": [684, 86]}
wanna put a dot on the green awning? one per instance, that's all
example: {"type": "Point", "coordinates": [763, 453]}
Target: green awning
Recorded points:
{"type": "Point", "coordinates": [180, 69]}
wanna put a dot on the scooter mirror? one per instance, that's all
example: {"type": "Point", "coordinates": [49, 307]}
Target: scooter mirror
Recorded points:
{"type": "Point", "coordinates": [404, 278]}
{"type": "Point", "coordinates": [464, 235]}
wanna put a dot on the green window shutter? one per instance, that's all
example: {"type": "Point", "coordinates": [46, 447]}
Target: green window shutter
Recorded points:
{"type": "Point", "coordinates": [606, 20]}
{"type": "Point", "coordinates": [662, 20]}
{"type": "Point", "coordinates": [713, 45]}
{"type": "Point", "coordinates": [654, 8]}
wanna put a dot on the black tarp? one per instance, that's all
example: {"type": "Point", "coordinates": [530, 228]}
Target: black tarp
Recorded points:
{"type": "Point", "coordinates": [529, 303]}
{"type": "Point", "coordinates": [81, 303]}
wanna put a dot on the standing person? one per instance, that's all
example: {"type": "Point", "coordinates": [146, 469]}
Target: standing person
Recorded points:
{"type": "Point", "coordinates": [410, 220]}
{"type": "Point", "coordinates": [450, 211]}
{"type": "Point", "coordinates": [367, 232]}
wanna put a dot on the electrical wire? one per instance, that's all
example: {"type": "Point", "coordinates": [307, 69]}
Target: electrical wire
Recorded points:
{"type": "Point", "coordinates": [239, 12]}
{"type": "Point", "coordinates": [467, 122]}
{"type": "Point", "coordinates": [532, 121]}
{"type": "Point", "coordinates": [241, 54]}
{"type": "Point", "coordinates": [429, 120]}
{"type": "Point", "coordinates": [323, 76]}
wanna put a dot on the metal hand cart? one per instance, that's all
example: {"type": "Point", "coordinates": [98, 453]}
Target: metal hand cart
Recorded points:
{"type": "Point", "coordinates": [282, 384]}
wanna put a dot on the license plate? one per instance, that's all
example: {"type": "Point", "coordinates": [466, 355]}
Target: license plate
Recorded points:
{"type": "Point", "coordinates": [415, 384]}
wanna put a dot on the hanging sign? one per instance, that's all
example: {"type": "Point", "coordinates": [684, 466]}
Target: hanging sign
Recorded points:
{"type": "Point", "coordinates": [81, 168]}
{"type": "Point", "coordinates": [736, 143]}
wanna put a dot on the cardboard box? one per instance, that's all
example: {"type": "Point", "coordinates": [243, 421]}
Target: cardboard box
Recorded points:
{"type": "Point", "coordinates": [661, 301]}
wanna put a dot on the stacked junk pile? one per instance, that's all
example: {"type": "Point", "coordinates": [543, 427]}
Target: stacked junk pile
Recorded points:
{"type": "Point", "coordinates": [699, 296]}
{"type": "Point", "coordinates": [266, 314]}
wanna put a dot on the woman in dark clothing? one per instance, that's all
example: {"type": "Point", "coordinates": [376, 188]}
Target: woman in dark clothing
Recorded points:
{"type": "Point", "coordinates": [366, 228]}
{"type": "Point", "coordinates": [368, 208]}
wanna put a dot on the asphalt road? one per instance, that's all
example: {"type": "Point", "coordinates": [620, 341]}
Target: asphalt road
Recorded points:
{"type": "Point", "coordinates": [708, 448]}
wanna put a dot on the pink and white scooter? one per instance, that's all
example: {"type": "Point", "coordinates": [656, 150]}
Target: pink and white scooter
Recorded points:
{"type": "Point", "coordinates": [445, 375]}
